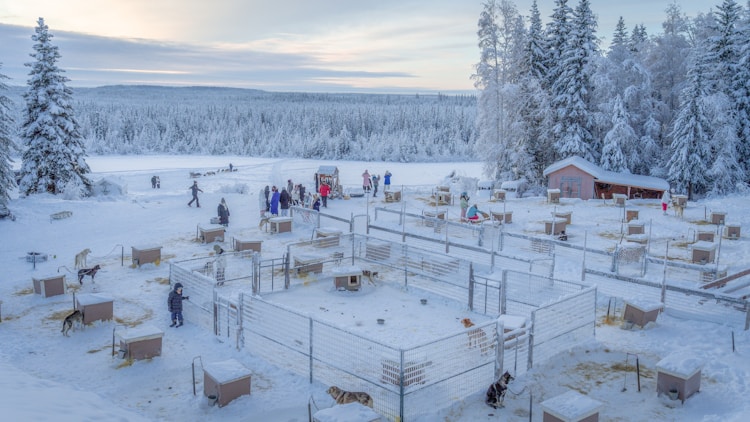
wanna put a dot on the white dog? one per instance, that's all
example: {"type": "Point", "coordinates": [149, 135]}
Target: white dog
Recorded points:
{"type": "Point", "coordinates": [81, 258]}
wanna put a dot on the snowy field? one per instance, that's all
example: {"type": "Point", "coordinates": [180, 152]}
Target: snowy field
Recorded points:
{"type": "Point", "coordinates": [47, 376]}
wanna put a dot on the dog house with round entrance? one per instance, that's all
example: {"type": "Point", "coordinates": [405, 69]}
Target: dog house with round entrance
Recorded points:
{"type": "Point", "coordinates": [226, 381]}
{"type": "Point", "coordinates": [142, 342]}
{"type": "Point", "coordinates": [679, 375]}
{"type": "Point", "coordinates": [571, 406]}
{"type": "Point", "coordinates": [49, 286]}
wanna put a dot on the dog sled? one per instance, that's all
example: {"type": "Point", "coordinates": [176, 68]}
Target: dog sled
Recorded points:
{"type": "Point", "coordinates": [60, 215]}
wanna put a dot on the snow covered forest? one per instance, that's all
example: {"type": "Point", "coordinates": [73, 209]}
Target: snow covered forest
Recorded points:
{"type": "Point", "coordinates": [673, 104]}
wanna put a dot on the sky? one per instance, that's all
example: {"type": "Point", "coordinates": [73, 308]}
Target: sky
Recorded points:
{"type": "Point", "coordinates": [49, 377]}
{"type": "Point", "coordinates": [395, 46]}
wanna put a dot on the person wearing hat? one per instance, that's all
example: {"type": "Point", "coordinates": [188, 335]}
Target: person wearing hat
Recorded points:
{"type": "Point", "coordinates": [174, 303]}
{"type": "Point", "coordinates": [464, 205]}
{"type": "Point", "coordinates": [473, 213]}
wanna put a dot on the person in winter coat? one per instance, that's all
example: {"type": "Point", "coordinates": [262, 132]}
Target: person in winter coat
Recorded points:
{"type": "Point", "coordinates": [267, 192]}
{"type": "Point", "coordinates": [366, 182]}
{"type": "Point", "coordinates": [302, 195]}
{"type": "Point", "coordinates": [387, 180]}
{"type": "Point", "coordinates": [284, 200]}
{"type": "Point", "coordinates": [223, 211]}
{"type": "Point", "coordinates": [324, 191]}
{"type": "Point", "coordinates": [316, 202]}
{"type": "Point", "coordinates": [665, 200]}
{"type": "Point", "coordinates": [473, 213]}
{"type": "Point", "coordinates": [153, 182]}
{"type": "Point", "coordinates": [375, 180]}
{"type": "Point", "coordinates": [174, 303]}
{"type": "Point", "coordinates": [464, 205]}
{"type": "Point", "coordinates": [274, 201]}
{"type": "Point", "coordinates": [195, 189]}
{"type": "Point", "coordinates": [289, 186]}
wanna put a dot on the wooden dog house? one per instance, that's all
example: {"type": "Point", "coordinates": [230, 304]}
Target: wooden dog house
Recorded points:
{"type": "Point", "coordinates": [327, 237]}
{"type": "Point", "coordinates": [280, 224]}
{"type": "Point", "coordinates": [706, 235]}
{"type": "Point", "coordinates": [308, 264]}
{"type": "Point", "coordinates": [631, 214]}
{"type": "Point", "coordinates": [431, 215]}
{"type": "Point", "coordinates": [703, 252]}
{"type": "Point", "coordinates": [567, 215]}
{"type": "Point", "coordinates": [246, 245]}
{"type": "Point", "coordinates": [680, 200]}
{"type": "Point", "coordinates": [393, 196]}
{"type": "Point", "coordinates": [679, 373]}
{"type": "Point", "coordinates": [636, 227]}
{"type": "Point", "coordinates": [732, 231]}
{"type": "Point", "coordinates": [553, 196]}
{"type": "Point", "coordinates": [226, 381]}
{"type": "Point", "coordinates": [503, 217]}
{"type": "Point", "coordinates": [211, 234]}
{"type": "Point", "coordinates": [141, 342]}
{"type": "Point", "coordinates": [146, 255]}
{"type": "Point", "coordinates": [50, 286]}
{"type": "Point", "coordinates": [95, 307]}
{"type": "Point", "coordinates": [498, 195]}
{"type": "Point", "coordinates": [347, 278]}
{"type": "Point", "coordinates": [554, 226]}
{"type": "Point", "coordinates": [619, 199]}
{"type": "Point", "coordinates": [641, 312]}
{"type": "Point", "coordinates": [718, 217]}
{"type": "Point", "coordinates": [571, 406]}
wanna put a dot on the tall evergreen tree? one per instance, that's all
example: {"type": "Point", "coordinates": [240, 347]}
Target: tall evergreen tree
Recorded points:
{"type": "Point", "coordinates": [621, 133]}
{"type": "Point", "coordinates": [572, 89]}
{"type": "Point", "coordinates": [7, 178]}
{"type": "Point", "coordinates": [53, 161]}
{"type": "Point", "coordinates": [691, 136]}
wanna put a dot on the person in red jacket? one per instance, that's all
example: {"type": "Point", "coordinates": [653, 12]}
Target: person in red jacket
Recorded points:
{"type": "Point", "coordinates": [324, 191]}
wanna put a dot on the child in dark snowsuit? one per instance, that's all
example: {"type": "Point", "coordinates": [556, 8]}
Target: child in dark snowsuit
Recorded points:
{"type": "Point", "coordinates": [174, 303]}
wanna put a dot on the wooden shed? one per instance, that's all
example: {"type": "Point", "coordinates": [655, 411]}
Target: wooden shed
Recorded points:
{"type": "Point", "coordinates": [576, 177]}
{"type": "Point", "coordinates": [330, 176]}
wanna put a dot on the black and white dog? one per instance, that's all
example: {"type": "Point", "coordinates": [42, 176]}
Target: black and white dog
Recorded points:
{"type": "Point", "coordinates": [88, 271]}
{"type": "Point", "coordinates": [76, 317]}
{"type": "Point", "coordinates": [496, 392]}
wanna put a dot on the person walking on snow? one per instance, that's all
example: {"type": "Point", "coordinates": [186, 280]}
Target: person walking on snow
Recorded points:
{"type": "Point", "coordinates": [174, 303]}
{"type": "Point", "coordinates": [387, 180]}
{"type": "Point", "coordinates": [366, 181]}
{"type": "Point", "coordinates": [223, 211]}
{"type": "Point", "coordinates": [195, 189]}
{"type": "Point", "coordinates": [665, 199]}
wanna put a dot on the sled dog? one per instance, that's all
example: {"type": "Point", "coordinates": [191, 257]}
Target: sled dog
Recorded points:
{"type": "Point", "coordinates": [344, 397]}
{"type": "Point", "coordinates": [75, 317]}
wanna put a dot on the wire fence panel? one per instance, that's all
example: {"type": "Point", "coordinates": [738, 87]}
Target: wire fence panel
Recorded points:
{"type": "Point", "coordinates": [563, 324]}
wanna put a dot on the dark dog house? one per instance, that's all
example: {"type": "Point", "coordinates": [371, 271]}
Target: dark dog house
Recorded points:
{"type": "Point", "coordinates": [703, 252]}
{"type": "Point", "coordinates": [50, 286]}
{"type": "Point", "coordinates": [636, 227]}
{"type": "Point", "coordinates": [246, 245]}
{"type": "Point", "coordinates": [211, 234]}
{"type": "Point", "coordinates": [641, 312]}
{"type": "Point", "coordinates": [678, 375]}
{"type": "Point", "coordinates": [226, 381]}
{"type": "Point", "coordinates": [94, 307]}
{"type": "Point", "coordinates": [732, 231]}
{"type": "Point", "coordinates": [631, 214]}
{"type": "Point", "coordinates": [718, 217]}
{"type": "Point", "coordinates": [142, 342]}
{"type": "Point", "coordinates": [571, 406]}
{"type": "Point", "coordinates": [280, 224]}
{"type": "Point", "coordinates": [147, 255]}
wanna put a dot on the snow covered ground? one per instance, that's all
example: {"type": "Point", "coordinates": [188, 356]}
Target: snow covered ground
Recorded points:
{"type": "Point", "coordinates": [46, 376]}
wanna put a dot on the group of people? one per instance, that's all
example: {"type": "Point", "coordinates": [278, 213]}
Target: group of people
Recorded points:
{"type": "Point", "coordinates": [155, 182]}
{"type": "Point", "coordinates": [371, 183]}
{"type": "Point", "coordinates": [469, 213]}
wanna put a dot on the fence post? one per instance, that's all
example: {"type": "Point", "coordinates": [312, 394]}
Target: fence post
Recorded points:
{"type": "Point", "coordinates": [311, 349]}
{"type": "Point", "coordinates": [471, 286]}
{"type": "Point", "coordinates": [256, 273]}
{"type": "Point", "coordinates": [499, 348]}
{"type": "Point", "coordinates": [401, 386]}
{"type": "Point", "coordinates": [287, 281]}
{"type": "Point", "coordinates": [501, 296]}
{"type": "Point", "coordinates": [530, 361]}
{"type": "Point", "coordinates": [614, 259]}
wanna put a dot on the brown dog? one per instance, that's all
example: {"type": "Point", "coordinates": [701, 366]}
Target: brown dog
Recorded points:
{"type": "Point", "coordinates": [477, 337]}
{"type": "Point", "coordinates": [344, 397]}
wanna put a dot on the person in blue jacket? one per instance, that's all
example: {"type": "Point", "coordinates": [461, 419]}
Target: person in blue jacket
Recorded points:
{"type": "Point", "coordinates": [387, 181]}
{"type": "Point", "coordinates": [275, 201]}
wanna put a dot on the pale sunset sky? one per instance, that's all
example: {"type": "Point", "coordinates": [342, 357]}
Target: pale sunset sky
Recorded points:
{"type": "Point", "coordinates": [396, 46]}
